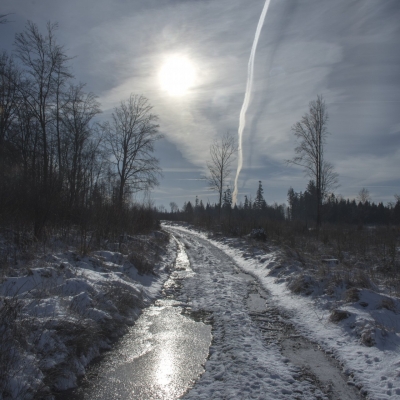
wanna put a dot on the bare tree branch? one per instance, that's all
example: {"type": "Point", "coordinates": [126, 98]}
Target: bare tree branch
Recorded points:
{"type": "Point", "coordinates": [222, 153]}
{"type": "Point", "coordinates": [363, 196]}
{"type": "Point", "coordinates": [131, 137]}
{"type": "Point", "coordinates": [311, 133]}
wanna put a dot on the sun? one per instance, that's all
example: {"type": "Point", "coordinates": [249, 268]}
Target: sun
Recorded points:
{"type": "Point", "coordinates": [177, 75]}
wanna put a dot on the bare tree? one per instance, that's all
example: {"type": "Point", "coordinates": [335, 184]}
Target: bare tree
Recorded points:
{"type": "Point", "coordinates": [76, 116]}
{"type": "Point", "coordinates": [222, 154]}
{"type": "Point", "coordinates": [44, 62]}
{"type": "Point", "coordinates": [329, 179]}
{"type": "Point", "coordinates": [131, 137]}
{"type": "Point", "coordinates": [312, 132]}
{"type": "Point", "coordinates": [363, 196]}
{"type": "Point", "coordinates": [9, 81]}
{"type": "Point", "coordinates": [174, 207]}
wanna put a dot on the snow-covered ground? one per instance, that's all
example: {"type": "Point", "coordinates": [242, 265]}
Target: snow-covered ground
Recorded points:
{"type": "Point", "coordinates": [364, 338]}
{"type": "Point", "coordinates": [60, 310]}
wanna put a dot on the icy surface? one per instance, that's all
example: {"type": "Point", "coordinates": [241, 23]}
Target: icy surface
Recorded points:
{"type": "Point", "coordinates": [160, 357]}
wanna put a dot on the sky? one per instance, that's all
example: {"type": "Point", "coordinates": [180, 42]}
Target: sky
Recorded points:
{"type": "Point", "coordinates": [345, 50]}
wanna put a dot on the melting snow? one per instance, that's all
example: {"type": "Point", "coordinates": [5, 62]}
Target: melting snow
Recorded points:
{"type": "Point", "coordinates": [366, 344]}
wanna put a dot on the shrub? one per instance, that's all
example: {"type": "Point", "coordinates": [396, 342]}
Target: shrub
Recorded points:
{"type": "Point", "coordinates": [338, 315]}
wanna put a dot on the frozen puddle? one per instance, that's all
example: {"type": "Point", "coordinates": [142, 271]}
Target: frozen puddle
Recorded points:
{"type": "Point", "coordinates": [162, 355]}
{"type": "Point", "coordinates": [314, 363]}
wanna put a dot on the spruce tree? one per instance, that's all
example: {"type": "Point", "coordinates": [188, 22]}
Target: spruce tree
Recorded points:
{"type": "Point", "coordinates": [227, 199]}
{"type": "Point", "coordinates": [259, 202]}
{"type": "Point", "coordinates": [246, 203]}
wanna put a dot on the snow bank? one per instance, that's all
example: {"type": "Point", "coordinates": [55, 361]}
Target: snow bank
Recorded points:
{"type": "Point", "coordinates": [58, 315]}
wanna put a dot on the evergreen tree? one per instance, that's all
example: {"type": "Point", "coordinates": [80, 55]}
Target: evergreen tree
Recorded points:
{"type": "Point", "coordinates": [310, 202]}
{"type": "Point", "coordinates": [292, 201]}
{"type": "Point", "coordinates": [246, 203]}
{"type": "Point", "coordinates": [201, 206]}
{"type": "Point", "coordinates": [259, 202]}
{"type": "Point", "coordinates": [396, 210]}
{"type": "Point", "coordinates": [188, 208]}
{"type": "Point", "coordinates": [227, 201]}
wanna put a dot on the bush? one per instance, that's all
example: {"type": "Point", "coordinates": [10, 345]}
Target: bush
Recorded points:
{"type": "Point", "coordinates": [338, 315]}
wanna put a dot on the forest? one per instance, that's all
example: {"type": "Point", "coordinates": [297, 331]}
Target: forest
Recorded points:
{"type": "Point", "coordinates": [301, 208]}
{"type": "Point", "coordinates": [63, 167]}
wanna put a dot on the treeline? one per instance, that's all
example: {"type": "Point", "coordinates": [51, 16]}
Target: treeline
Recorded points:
{"type": "Point", "coordinates": [303, 205]}
{"type": "Point", "coordinates": [301, 211]}
{"type": "Point", "coordinates": [235, 219]}
{"type": "Point", "coordinates": [60, 167]}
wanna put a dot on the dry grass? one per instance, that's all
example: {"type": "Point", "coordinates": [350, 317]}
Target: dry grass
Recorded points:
{"type": "Point", "coordinates": [367, 257]}
{"type": "Point", "coordinates": [388, 303]}
{"type": "Point", "coordinates": [338, 315]}
{"type": "Point", "coordinates": [145, 253]}
{"type": "Point", "coordinates": [74, 335]}
{"type": "Point", "coordinates": [303, 284]}
{"type": "Point", "coordinates": [140, 260]}
{"type": "Point", "coordinates": [351, 295]}
{"type": "Point", "coordinates": [124, 299]}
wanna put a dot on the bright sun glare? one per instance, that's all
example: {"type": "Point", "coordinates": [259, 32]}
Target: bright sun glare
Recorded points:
{"type": "Point", "coordinates": [177, 75]}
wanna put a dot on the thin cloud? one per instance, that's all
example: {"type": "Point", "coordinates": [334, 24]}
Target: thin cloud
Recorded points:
{"type": "Point", "coordinates": [348, 51]}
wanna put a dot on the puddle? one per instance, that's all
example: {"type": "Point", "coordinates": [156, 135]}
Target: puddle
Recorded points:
{"type": "Point", "coordinates": [162, 355]}
{"type": "Point", "coordinates": [256, 303]}
{"type": "Point", "coordinates": [246, 277]}
{"type": "Point", "coordinates": [315, 365]}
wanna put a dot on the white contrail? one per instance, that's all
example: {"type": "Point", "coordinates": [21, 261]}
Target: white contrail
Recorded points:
{"type": "Point", "coordinates": [249, 85]}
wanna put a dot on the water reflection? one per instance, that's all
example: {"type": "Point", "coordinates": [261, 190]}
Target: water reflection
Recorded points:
{"type": "Point", "coordinates": [161, 356]}
{"type": "Point", "coordinates": [165, 367]}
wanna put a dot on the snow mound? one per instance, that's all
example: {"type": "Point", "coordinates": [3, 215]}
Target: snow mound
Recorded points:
{"type": "Point", "coordinates": [66, 309]}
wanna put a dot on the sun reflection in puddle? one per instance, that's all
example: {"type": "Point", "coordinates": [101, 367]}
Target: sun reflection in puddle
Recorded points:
{"type": "Point", "coordinates": [161, 356]}
{"type": "Point", "coordinates": [165, 368]}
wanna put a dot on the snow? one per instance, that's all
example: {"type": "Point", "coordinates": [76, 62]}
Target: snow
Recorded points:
{"type": "Point", "coordinates": [240, 366]}
{"type": "Point", "coordinates": [62, 309]}
{"type": "Point", "coordinates": [366, 344]}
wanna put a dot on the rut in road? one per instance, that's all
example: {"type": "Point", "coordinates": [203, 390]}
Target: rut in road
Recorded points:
{"type": "Point", "coordinates": [249, 335]}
